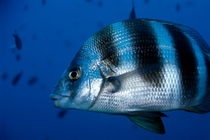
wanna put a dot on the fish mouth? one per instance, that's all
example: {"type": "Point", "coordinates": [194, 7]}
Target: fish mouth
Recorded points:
{"type": "Point", "coordinates": [58, 94]}
{"type": "Point", "coordinates": [55, 97]}
{"type": "Point", "coordinates": [60, 98]}
{"type": "Point", "coordinates": [60, 101]}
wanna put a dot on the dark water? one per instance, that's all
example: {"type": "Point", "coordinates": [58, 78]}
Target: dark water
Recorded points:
{"type": "Point", "coordinates": [51, 32]}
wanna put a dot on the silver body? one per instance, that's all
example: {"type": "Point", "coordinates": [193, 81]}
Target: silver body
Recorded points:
{"type": "Point", "coordinates": [146, 75]}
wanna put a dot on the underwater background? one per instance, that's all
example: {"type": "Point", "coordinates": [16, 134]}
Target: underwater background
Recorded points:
{"type": "Point", "coordinates": [39, 38]}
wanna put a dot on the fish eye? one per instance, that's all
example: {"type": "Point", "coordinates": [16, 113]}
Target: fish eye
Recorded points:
{"type": "Point", "coordinates": [74, 74]}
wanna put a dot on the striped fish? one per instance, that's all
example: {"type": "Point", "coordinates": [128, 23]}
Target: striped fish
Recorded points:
{"type": "Point", "coordinates": [139, 68]}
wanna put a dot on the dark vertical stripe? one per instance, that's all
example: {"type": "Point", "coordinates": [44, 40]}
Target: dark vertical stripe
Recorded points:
{"type": "Point", "coordinates": [187, 63]}
{"type": "Point", "coordinates": [146, 51]}
{"type": "Point", "coordinates": [206, 52]}
{"type": "Point", "coordinates": [106, 46]}
{"type": "Point", "coordinates": [208, 74]}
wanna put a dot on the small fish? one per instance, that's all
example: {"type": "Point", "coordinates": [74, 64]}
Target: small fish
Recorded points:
{"type": "Point", "coordinates": [4, 76]}
{"type": "Point", "coordinates": [62, 113]}
{"type": "Point", "coordinates": [25, 8]}
{"type": "Point", "coordinates": [146, 1]}
{"type": "Point", "coordinates": [139, 68]}
{"type": "Point", "coordinates": [100, 3]}
{"type": "Point", "coordinates": [178, 7]}
{"type": "Point", "coordinates": [18, 42]}
{"type": "Point", "coordinates": [17, 57]}
{"type": "Point", "coordinates": [16, 79]}
{"type": "Point", "coordinates": [33, 80]}
{"type": "Point", "coordinates": [88, 0]}
{"type": "Point", "coordinates": [44, 2]}
{"type": "Point", "coordinates": [132, 13]}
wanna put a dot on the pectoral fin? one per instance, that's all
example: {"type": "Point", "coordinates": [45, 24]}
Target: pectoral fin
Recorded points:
{"type": "Point", "coordinates": [149, 121]}
{"type": "Point", "coordinates": [111, 83]}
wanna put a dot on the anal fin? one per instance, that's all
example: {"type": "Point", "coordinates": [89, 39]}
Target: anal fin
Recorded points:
{"type": "Point", "coordinates": [150, 121]}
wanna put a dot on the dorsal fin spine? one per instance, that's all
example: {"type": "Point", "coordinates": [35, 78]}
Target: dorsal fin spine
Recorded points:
{"type": "Point", "coordinates": [132, 13]}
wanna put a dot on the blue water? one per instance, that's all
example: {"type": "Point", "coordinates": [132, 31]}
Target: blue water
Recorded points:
{"type": "Point", "coordinates": [51, 32]}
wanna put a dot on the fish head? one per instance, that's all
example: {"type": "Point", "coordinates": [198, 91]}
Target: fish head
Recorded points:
{"type": "Point", "coordinates": [80, 83]}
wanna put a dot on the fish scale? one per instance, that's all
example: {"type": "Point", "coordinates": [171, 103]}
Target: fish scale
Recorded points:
{"type": "Point", "coordinates": [139, 68]}
{"type": "Point", "coordinates": [158, 97]}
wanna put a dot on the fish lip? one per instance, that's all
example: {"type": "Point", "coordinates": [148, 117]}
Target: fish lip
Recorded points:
{"type": "Point", "coordinates": [57, 96]}
{"type": "Point", "coordinates": [57, 99]}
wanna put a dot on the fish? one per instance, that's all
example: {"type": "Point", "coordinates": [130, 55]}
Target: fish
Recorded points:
{"type": "Point", "coordinates": [16, 79]}
{"type": "Point", "coordinates": [146, 1]}
{"type": "Point", "coordinates": [178, 7]}
{"type": "Point", "coordinates": [4, 76]}
{"type": "Point", "coordinates": [100, 3]}
{"type": "Point", "coordinates": [141, 69]}
{"type": "Point", "coordinates": [18, 57]}
{"type": "Point", "coordinates": [88, 0]}
{"type": "Point", "coordinates": [26, 8]}
{"type": "Point", "coordinates": [18, 41]}
{"type": "Point", "coordinates": [32, 80]}
{"type": "Point", "coordinates": [62, 113]}
{"type": "Point", "coordinates": [44, 2]}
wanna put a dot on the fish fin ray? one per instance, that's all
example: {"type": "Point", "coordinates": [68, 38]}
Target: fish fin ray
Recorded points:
{"type": "Point", "coordinates": [149, 114]}
{"type": "Point", "coordinates": [204, 107]}
{"type": "Point", "coordinates": [106, 69]}
{"type": "Point", "coordinates": [195, 110]}
{"type": "Point", "coordinates": [133, 13]}
{"type": "Point", "coordinates": [111, 84]}
{"type": "Point", "coordinates": [113, 81]}
{"type": "Point", "coordinates": [149, 121]}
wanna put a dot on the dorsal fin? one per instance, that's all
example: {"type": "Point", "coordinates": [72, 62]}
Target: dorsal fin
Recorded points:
{"type": "Point", "coordinates": [132, 13]}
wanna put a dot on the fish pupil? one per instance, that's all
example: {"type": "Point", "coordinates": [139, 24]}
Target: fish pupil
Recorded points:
{"type": "Point", "coordinates": [73, 74]}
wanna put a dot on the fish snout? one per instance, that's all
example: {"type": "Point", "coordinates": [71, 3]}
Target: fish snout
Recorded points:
{"type": "Point", "coordinates": [54, 97]}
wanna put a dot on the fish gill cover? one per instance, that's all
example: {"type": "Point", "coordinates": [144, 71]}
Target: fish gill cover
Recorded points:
{"type": "Point", "coordinates": [38, 39]}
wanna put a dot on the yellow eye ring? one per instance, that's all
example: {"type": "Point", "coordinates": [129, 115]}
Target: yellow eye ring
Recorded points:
{"type": "Point", "coordinates": [74, 75]}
